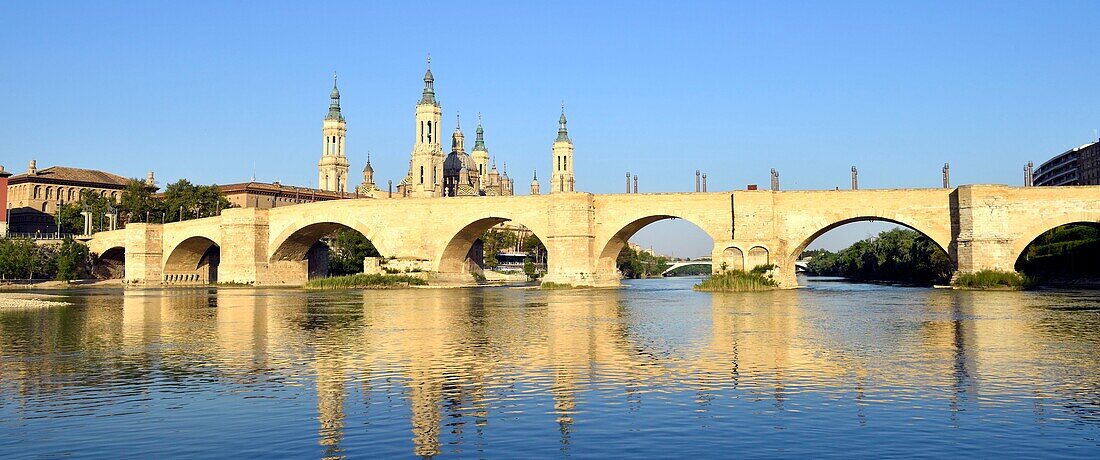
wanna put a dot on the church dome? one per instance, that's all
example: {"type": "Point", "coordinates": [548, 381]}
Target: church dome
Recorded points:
{"type": "Point", "coordinates": [456, 161]}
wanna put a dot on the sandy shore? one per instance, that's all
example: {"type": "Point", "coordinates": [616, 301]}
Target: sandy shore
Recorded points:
{"type": "Point", "coordinates": [12, 300]}
{"type": "Point", "coordinates": [38, 285]}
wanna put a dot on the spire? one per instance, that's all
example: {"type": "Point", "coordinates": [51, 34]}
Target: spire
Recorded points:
{"type": "Point", "coordinates": [334, 104]}
{"type": "Point", "coordinates": [458, 143]}
{"type": "Point", "coordinates": [479, 141]}
{"type": "Point", "coordinates": [563, 134]}
{"type": "Point", "coordinates": [368, 167]}
{"type": "Point", "coordinates": [429, 85]}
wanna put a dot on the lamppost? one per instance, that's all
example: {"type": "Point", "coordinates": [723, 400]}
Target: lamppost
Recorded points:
{"type": "Point", "coordinates": [58, 218]}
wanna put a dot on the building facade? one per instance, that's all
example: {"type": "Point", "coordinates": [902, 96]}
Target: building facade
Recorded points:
{"type": "Point", "coordinates": [33, 198]}
{"type": "Point", "coordinates": [1077, 166]}
{"type": "Point", "coordinates": [332, 169]}
{"type": "Point", "coordinates": [272, 195]}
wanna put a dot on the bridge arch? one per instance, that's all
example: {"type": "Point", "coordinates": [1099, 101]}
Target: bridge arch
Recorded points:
{"type": "Point", "coordinates": [194, 260]}
{"type": "Point", "coordinates": [295, 239]}
{"type": "Point", "coordinates": [1037, 229]}
{"type": "Point", "coordinates": [940, 236]}
{"type": "Point", "coordinates": [110, 264]}
{"type": "Point", "coordinates": [610, 246]}
{"type": "Point", "coordinates": [452, 259]}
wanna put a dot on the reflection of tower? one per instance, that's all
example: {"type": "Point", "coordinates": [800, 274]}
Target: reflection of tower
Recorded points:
{"type": "Point", "coordinates": [561, 177]}
{"type": "Point", "coordinates": [331, 394]}
{"type": "Point", "coordinates": [333, 168]}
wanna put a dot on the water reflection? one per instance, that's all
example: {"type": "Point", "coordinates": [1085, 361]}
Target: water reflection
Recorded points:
{"type": "Point", "coordinates": [430, 372]}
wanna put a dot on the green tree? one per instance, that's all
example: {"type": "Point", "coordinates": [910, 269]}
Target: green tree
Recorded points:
{"type": "Point", "coordinates": [71, 261]}
{"type": "Point", "coordinates": [18, 258]}
{"type": "Point", "coordinates": [137, 203]}
{"type": "Point", "coordinates": [72, 219]}
{"type": "Point", "coordinates": [533, 246]}
{"type": "Point", "coordinates": [893, 255]}
{"type": "Point", "coordinates": [347, 249]}
{"type": "Point", "coordinates": [495, 242]}
{"type": "Point", "coordinates": [195, 201]}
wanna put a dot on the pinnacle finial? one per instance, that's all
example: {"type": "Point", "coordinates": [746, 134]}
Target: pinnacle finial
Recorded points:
{"type": "Point", "coordinates": [429, 60]}
{"type": "Point", "coordinates": [458, 121]}
{"type": "Point", "coordinates": [333, 78]}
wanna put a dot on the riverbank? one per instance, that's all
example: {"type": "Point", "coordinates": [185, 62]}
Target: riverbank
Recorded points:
{"type": "Point", "coordinates": [24, 285]}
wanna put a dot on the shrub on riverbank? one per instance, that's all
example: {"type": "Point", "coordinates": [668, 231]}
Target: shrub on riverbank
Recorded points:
{"type": "Point", "coordinates": [363, 281]}
{"type": "Point", "coordinates": [993, 280]}
{"type": "Point", "coordinates": [739, 281]}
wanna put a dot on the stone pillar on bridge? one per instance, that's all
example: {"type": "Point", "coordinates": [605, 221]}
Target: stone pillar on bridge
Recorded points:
{"type": "Point", "coordinates": [144, 253]}
{"type": "Point", "coordinates": [570, 243]}
{"type": "Point", "coordinates": [244, 246]}
{"type": "Point", "coordinates": [982, 229]}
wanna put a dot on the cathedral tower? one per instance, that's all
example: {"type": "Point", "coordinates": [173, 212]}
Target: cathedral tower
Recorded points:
{"type": "Point", "coordinates": [481, 155]}
{"type": "Point", "coordinates": [561, 176]}
{"type": "Point", "coordinates": [332, 174]}
{"type": "Point", "coordinates": [425, 178]}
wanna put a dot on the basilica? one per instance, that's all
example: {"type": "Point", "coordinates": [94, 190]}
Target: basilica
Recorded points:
{"type": "Point", "coordinates": [431, 172]}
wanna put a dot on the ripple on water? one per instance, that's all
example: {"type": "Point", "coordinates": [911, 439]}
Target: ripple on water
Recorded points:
{"type": "Point", "coordinates": [653, 369]}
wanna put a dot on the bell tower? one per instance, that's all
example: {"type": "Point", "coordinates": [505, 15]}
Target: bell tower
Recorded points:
{"type": "Point", "coordinates": [332, 170]}
{"type": "Point", "coordinates": [425, 178]}
{"type": "Point", "coordinates": [561, 176]}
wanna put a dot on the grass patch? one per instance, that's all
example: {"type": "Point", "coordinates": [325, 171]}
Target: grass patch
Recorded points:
{"type": "Point", "coordinates": [993, 280]}
{"type": "Point", "coordinates": [363, 281]}
{"type": "Point", "coordinates": [552, 285]}
{"type": "Point", "coordinates": [739, 281]}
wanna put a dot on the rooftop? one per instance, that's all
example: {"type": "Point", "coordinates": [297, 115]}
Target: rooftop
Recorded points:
{"type": "Point", "coordinates": [78, 175]}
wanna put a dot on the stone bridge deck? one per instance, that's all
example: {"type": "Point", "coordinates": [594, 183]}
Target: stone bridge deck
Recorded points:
{"type": "Point", "coordinates": [980, 226]}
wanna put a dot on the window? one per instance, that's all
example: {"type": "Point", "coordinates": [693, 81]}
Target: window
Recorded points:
{"type": "Point", "coordinates": [429, 132]}
{"type": "Point", "coordinates": [49, 193]}
{"type": "Point", "coordinates": [422, 172]}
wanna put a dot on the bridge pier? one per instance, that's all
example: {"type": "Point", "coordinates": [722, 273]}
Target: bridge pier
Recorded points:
{"type": "Point", "coordinates": [244, 248]}
{"type": "Point", "coordinates": [144, 253]}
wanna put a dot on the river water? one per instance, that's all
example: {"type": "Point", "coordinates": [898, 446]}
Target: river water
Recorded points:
{"type": "Point", "coordinates": [653, 369]}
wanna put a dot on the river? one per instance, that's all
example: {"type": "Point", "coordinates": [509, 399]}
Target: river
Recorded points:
{"type": "Point", "coordinates": [652, 369]}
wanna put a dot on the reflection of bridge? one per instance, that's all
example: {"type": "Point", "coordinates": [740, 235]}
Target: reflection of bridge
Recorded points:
{"type": "Point", "coordinates": [980, 226]}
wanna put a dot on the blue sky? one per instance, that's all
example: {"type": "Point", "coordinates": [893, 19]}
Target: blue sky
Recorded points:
{"type": "Point", "coordinates": [214, 91]}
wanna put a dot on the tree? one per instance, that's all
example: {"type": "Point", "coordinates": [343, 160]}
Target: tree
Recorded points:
{"type": "Point", "coordinates": [196, 201]}
{"type": "Point", "coordinates": [347, 249]}
{"type": "Point", "coordinates": [494, 242]}
{"type": "Point", "coordinates": [71, 261]}
{"type": "Point", "coordinates": [18, 258]}
{"type": "Point", "coordinates": [893, 255]}
{"type": "Point", "coordinates": [72, 219]}
{"type": "Point", "coordinates": [640, 264]}
{"type": "Point", "coordinates": [137, 203]}
{"type": "Point", "coordinates": [533, 246]}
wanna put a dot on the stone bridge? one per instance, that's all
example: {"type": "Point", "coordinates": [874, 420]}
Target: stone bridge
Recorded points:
{"type": "Point", "coordinates": [980, 227]}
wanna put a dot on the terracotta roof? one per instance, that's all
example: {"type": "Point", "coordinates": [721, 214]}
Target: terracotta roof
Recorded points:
{"type": "Point", "coordinates": [278, 189]}
{"type": "Point", "coordinates": [66, 174]}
